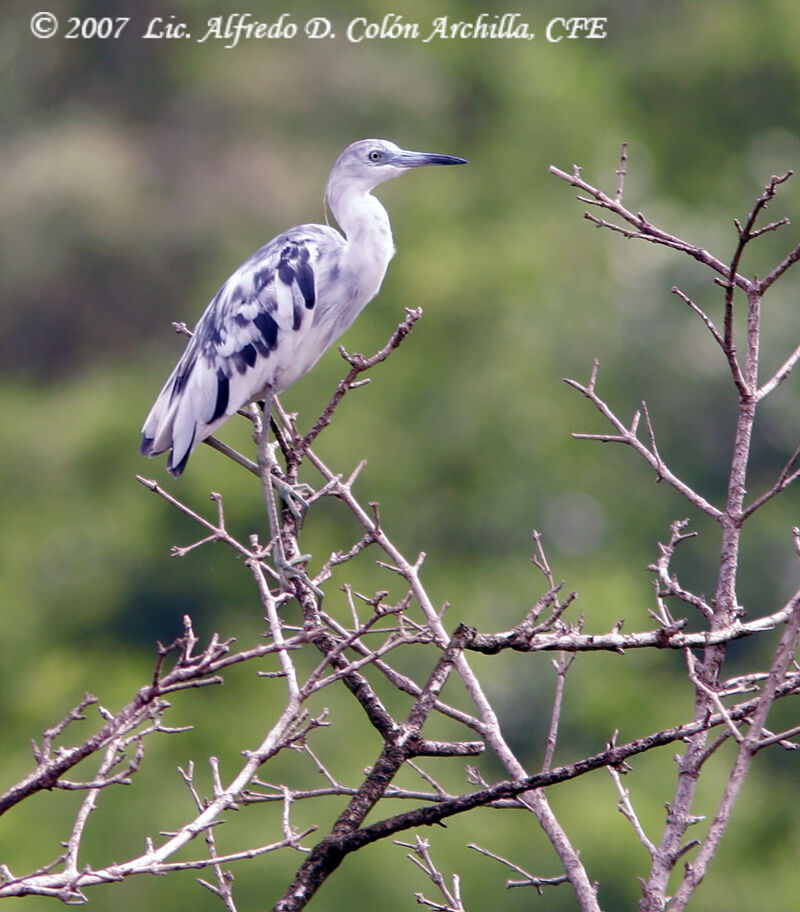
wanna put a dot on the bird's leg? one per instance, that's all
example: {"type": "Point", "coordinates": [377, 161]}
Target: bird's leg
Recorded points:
{"type": "Point", "coordinates": [290, 494]}
{"type": "Point", "coordinates": [271, 483]}
{"type": "Point", "coordinates": [266, 459]}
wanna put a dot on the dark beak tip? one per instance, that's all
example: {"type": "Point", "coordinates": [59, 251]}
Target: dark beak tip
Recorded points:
{"type": "Point", "coordinates": [451, 160]}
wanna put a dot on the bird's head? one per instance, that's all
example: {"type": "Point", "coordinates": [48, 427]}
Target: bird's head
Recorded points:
{"type": "Point", "coordinates": [369, 162]}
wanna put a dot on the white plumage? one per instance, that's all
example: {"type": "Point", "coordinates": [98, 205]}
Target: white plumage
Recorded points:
{"type": "Point", "coordinates": [278, 313]}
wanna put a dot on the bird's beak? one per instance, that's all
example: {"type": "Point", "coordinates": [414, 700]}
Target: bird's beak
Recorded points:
{"type": "Point", "coordinates": [405, 159]}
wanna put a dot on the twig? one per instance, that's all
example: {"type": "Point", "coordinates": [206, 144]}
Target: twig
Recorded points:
{"type": "Point", "coordinates": [562, 666]}
{"type": "Point", "coordinates": [530, 880]}
{"type": "Point", "coordinates": [358, 365]}
{"type": "Point", "coordinates": [626, 809]}
{"type": "Point", "coordinates": [628, 435]}
{"type": "Point", "coordinates": [643, 229]}
{"type": "Point", "coordinates": [421, 857]}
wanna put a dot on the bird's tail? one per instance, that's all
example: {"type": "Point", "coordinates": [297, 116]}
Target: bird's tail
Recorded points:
{"type": "Point", "coordinates": [159, 432]}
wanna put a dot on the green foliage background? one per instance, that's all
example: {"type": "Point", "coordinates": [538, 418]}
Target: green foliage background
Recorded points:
{"type": "Point", "coordinates": [137, 174]}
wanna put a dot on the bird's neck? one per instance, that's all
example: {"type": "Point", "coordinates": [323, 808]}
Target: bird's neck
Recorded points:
{"type": "Point", "coordinates": [365, 224]}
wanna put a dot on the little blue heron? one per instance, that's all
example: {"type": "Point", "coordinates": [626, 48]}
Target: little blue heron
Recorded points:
{"type": "Point", "coordinates": [272, 320]}
{"type": "Point", "coordinates": [278, 313]}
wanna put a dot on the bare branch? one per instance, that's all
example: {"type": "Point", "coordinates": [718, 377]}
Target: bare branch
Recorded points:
{"type": "Point", "coordinates": [626, 809]}
{"type": "Point", "coordinates": [628, 436]}
{"type": "Point", "coordinates": [778, 271]}
{"type": "Point", "coordinates": [562, 666]}
{"type": "Point", "coordinates": [667, 584]}
{"type": "Point", "coordinates": [643, 229]}
{"type": "Point", "coordinates": [573, 640]}
{"type": "Point", "coordinates": [748, 747]}
{"type": "Point", "coordinates": [358, 365]}
{"type": "Point", "coordinates": [621, 173]}
{"type": "Point", "coordinates": [421, 857]}
{"type": "Point", "coordinates": [529, 880]}
{"type": "Point", "coordinates": [780, 375]}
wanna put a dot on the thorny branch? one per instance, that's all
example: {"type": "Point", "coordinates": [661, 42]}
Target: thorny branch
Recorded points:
{"type": "Point", "coordinates": [723, 612]}
{"type": "Point", "coordinates": [356, 638]}
{"type": "Point", "coordinates": [358, 365]}
{"type": "Point", "coordinates": [529, 880]}
{"type": "Point", "coordinates": [420, 856]}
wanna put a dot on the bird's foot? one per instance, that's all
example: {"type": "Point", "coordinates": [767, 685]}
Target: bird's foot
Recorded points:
{"type": "Point", "coordinates": [293, 495]}
{"type": "Point", "coordinates": [288, 569]}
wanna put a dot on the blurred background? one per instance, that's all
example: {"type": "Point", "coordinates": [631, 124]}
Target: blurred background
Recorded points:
{"type": "Point", "coordinates": [137, 174]}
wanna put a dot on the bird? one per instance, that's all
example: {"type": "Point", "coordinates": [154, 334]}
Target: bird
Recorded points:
{"type": "Point", "coordinates": [278, 313]}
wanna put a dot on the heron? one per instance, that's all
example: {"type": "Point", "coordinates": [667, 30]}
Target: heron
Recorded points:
{"type": "Point", "coordinates": [278, 313]}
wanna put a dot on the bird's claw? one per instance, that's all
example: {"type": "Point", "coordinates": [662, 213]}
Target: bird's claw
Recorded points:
{"type": "Point", "coordinates": [288, 570]}
{"type": "Point", "coordinates": [292, 495]}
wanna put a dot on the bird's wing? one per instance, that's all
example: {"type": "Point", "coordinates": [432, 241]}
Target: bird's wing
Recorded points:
{"type": "Point", "coordinates": [246, 338]}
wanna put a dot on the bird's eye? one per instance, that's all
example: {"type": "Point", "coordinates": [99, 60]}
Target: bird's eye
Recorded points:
{"type": "Point", "coordinates": [375, 155]}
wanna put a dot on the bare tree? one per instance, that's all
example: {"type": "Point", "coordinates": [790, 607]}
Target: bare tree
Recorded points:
{"type": "Point", "coordinates": [357, 649]}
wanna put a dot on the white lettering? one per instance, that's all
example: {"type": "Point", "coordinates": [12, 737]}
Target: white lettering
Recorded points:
{"type": "Point", "coordinates": [390, 27]}
{"type": "Point", "coordinates": [318, 27]}
{"type": "Point", "coordinates": [572, 28]}
{"type": "Point", "coordinates": [496, 26]}
{"type": "Point", "coordinates": [241, 25]}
